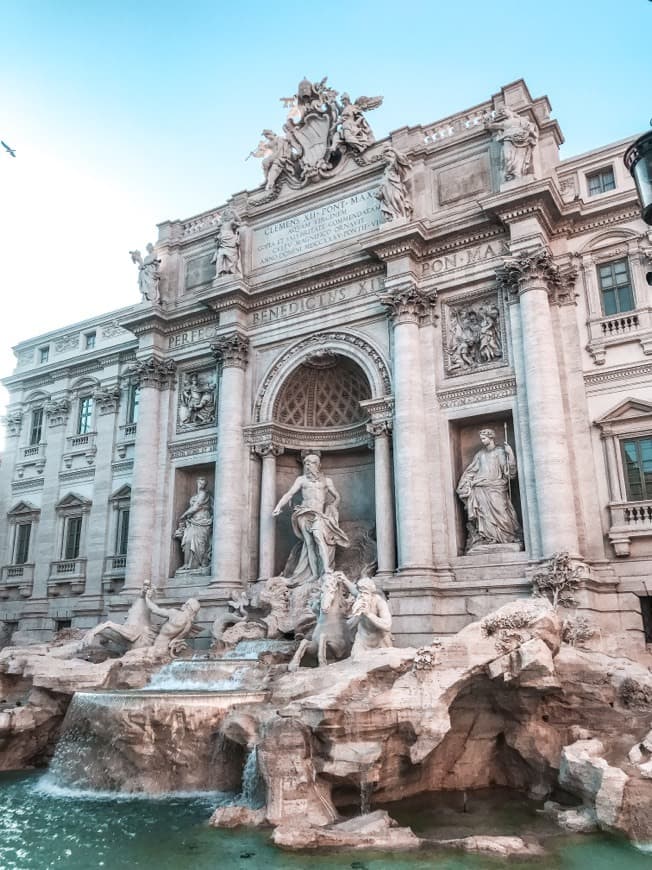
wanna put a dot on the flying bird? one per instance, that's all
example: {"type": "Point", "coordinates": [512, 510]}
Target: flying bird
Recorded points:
{"type": "Point", "coordinates": [8, 149]}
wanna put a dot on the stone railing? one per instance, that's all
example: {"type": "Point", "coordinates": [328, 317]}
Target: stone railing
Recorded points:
{"type": "Point", "coordinates": [32, 453]}
{"type": "Point", "coordinates": [633, 325]}
{"type": "Point", "coordinates": [115, 566]}
{"type": "Point", "coordinates": [629, 520]}
{"type": "Point", "coordinates": [67, 569]}
{"type": "Point", "coordinates": [18, 573]}
{"type": "Point", "coordinates": [80, 443]}
{"type": "Point", "coordinates": [128, 431]}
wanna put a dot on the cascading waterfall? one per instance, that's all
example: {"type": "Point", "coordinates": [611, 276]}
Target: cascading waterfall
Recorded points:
{"type": "Point", "coordinates": [202, 675]}
{"type": "Point", "coordinates": [253, 791]}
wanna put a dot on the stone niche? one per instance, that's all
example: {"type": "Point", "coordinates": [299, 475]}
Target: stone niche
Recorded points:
{"type": "Point", "coordinates": [465, 443]}
{"type": "Point", "coordinates": [352, 473]}
{"type": "Point", "coordinates": [185, 486]}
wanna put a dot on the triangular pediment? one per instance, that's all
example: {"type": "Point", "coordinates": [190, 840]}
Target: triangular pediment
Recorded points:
{"type": "Point", "coordinates": [630, 409]}
{"type": "Point", "coordinates": [23, 508]}
{"type": "Point", "coordinates": [122, 493]}
{"type": "Point", "coordinates": [73, 499]}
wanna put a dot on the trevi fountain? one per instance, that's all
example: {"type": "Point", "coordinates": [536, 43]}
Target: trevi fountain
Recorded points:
{"type": "Point", "coordinates": [366, 608]}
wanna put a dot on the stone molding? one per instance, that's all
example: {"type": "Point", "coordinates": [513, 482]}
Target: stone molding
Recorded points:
{"type": "Point", "coordinates": [231, 350]}
{"type": "Point", "coordinates": [57, 411]}
{"type": "Point", "coordinates": [195, 447]}
{"type": "Point", "coordinates": [378, 428]}
{"type": "Point", "coordinates": [477, 393]}
{"type": "Point", "coordinates": [13, 423]}
{"type": "Point", "coordinates": [77, 474]}
{"type": "Point", "coordinates": [107, 399]}
{"type": "Point", "coordinates": [311, 440]}
{"type": "Point", "coordinates": [530, 270]}
{"type": "Point", "coordinates": [349, 344]}
{"type": "Point", "coordinates": [638, 370]}
{"type": "Point", "coordinates": [407, 304]}
{"type": "Point", "coordinates": [26, 485]}
{"type": "Point", "coordinates": [152, 372]}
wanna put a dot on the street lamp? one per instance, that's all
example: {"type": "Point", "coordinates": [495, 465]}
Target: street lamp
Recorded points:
{"type": "Point", "coordinates": [638, 160]}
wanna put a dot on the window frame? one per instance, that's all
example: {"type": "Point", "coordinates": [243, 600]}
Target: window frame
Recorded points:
{"type": "Point", "coordinates": [85, 414]}
{"type": "Point", "coordinates": [645, 489]}
{"type": "Point", "coordinates": [133, 403]}
{"type": "Point", "coordinates": [34, 427]}
{"type": "Point", "coordinates": [599, 174]}
{"type": "Point", "coordinates": [18, 557]}
{"type": "Point", "coordinates": [616, 289]}
{"type": "Point", "coordinates": [76, 521]}
{"type": "Point", "coordinates": [44, 354]}
{"type": "Point", "coordinates": [90, 340]}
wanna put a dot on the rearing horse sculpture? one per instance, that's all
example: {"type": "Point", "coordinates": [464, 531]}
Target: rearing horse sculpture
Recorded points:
{"type": "Point", "coordinates": [331, 629]}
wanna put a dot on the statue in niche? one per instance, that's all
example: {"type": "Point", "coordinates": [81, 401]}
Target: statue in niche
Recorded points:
{"type": "Point", "coordinates": [179, 624]}
{"type": "Point", "coordinates": [354, 130]}
{"type": "Point", "coordinates": [519, 136]}
{"type": "Point", "coordinates": [371, 618]}
{"type": "Point", "coordinates": [196, 402]}
{"type": "Point", "coordinates": [484, 487]}
{"type": "Point", "coordinates": [148, 274]}
{"type": "Point", "coordinates": [196, 529]}
{"type": "Point", "coordinates": [393, 192]}
{"type": "Point", "coordinates": [475, 336]}
{"type": "Point", "coordinates": [315, 522]}
{"type": "Point", "coordinates": [227, 253]}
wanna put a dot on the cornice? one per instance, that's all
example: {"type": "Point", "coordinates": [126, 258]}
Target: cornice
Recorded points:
{"type": "Point", "coordinates": [477, 393]}
{"type": "Point", "coordinates": [623, 373]}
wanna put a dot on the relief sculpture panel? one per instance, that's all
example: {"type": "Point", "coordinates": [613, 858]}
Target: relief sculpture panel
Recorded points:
{"type": "Point", "coordinates": [196, 406]}
{"type": "Point", "coordinates": [474, 335]}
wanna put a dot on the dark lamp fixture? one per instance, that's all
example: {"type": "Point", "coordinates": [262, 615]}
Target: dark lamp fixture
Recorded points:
{"type": "Point", "coordinates": [638, 160]}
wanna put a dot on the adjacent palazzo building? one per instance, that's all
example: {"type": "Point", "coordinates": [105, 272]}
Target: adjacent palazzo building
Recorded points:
{"type": "Point", "coordinates": [379, 303]}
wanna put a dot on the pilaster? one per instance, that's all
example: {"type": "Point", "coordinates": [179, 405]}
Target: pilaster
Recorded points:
{"type": "Point", "coordinates": [152, 375]}
{"type": "Point", "coordinates": [267, 526]}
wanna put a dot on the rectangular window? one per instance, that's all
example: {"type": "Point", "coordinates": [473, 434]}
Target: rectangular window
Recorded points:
{"type": "Point", "coordinates": [21, 548]}
{"type": "Point", "coordinates": [646, 613]}
{"type": "Point", "coordinates": [89, 340]}
{"type": "Point", "coordinates": [72, 538]}
{"type": "Point", "coordinates": [62, 624]}
{"type": "Point", "coordinates": [85, 418]}
{"type": "Point", "coordinates": [123, 532]}
{"type": "Point", "coordinates": [637, 459]}
{"type": "Point", "coordinates": [132, 404]}
{"type": "Point", "coordinates": [616, 287]}
{"type": "Point", "coordinates": [36, 427]}
{"type": "Point", "coordinates": [44, 353]}
{"type": "Point", "coordinates": [601, 181]}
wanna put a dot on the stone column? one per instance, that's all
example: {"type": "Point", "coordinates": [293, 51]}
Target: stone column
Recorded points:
{"type": "Point", "coordinates": [107, 400]}
{"type": "Point", "coordinates": [407, 307]}
{"type": "Point", "coordinates": [533, 277]}
{"type": "Point", "coordinates": [385, 534]}
{"type": "Point", "coordinates": [230, 487]}
{"type": "Point", "coordinates": [152, 375]}
{"type": "Point", "coordinates": [267, 523]}
{"type": "Point", "coordinates": [46, 550]}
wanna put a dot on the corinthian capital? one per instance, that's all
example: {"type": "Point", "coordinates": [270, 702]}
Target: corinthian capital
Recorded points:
{"type": "Point", "coordinates": [107, 399]}
{"type": "Point", "coordinates": [152, 372]}
{"type": "Point", "coordinates": [531, 269]}
{"type": "Point", "coordinates": [407, 304]}
{"type": "Point", "coordinates": [231, 350]}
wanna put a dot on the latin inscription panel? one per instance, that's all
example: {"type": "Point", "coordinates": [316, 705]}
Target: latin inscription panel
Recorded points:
{"type": "Point", "coordinates": [316, 228]}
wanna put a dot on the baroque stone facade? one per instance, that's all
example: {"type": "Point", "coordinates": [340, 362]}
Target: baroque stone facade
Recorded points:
{"type": "Point", "coordinates": [454, 297]}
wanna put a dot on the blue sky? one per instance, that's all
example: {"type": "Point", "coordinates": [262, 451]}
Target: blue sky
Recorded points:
{"type": "Point", "coordinates": [124, 114]}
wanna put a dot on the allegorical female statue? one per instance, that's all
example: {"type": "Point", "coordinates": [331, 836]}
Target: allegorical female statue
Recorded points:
{"type": "Point", "coordinates": [227, 245]}
{"type": "Point", "coordinates": [196, 529]}
{"type": "Point", "coordinates": [393, 192]}
{"type": "Point", "coordinates": [148, 274]}
{"type": "Point", "coordinates": [484, 489]}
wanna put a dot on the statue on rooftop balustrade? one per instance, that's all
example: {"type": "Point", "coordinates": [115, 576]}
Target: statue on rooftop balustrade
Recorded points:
{"type": "Point", "coordinates": [148, 274]}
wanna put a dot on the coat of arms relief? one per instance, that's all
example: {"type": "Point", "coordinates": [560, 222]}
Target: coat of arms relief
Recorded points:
{"type": "Point", "coordinates": [321, 128]}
